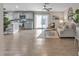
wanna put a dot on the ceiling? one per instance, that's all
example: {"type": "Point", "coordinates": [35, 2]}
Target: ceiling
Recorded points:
{"type": "Point", "coordinates": [38, 6]}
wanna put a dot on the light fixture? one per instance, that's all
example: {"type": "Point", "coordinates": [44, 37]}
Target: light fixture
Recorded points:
{"type": "Point", "coordinates": [61, 21]}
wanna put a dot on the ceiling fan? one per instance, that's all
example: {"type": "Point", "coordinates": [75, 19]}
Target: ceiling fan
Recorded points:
{"type": "Point", "coordinates": [46, 8]}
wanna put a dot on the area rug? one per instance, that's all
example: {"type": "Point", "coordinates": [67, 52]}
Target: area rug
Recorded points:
{"type": "Point", "coordinates": [48, 34]}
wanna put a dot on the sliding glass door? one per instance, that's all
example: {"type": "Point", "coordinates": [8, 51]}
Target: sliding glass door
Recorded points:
{"type": "Point", "coordinates": [41, 21]}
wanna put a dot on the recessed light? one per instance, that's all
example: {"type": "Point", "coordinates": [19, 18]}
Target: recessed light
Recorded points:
{"type": "Point", "coordinates": [16, 6]}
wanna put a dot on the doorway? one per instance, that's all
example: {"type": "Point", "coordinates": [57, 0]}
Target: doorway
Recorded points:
{"type": "Point", "coordinates": [41, 21]}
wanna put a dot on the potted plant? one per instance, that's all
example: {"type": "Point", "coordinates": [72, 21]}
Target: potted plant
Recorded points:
{"type": "Point", "coordinates": [6, 23]}
{"type": "Point", "coordinates": [76, 16]}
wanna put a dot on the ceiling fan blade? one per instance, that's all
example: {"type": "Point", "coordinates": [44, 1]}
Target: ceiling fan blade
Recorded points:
{"type": "Point", "coordinates": [47, 9]}
{"type": "Point", "coordinates": [50, 8]}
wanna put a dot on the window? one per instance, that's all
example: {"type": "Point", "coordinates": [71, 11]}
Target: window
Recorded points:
{"type": "Point", "coordinates": [41, 21]}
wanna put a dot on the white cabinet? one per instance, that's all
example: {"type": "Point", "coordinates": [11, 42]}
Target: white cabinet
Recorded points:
{"type": "Point", "coordinates": [28, 24]}
{"type": "Point", "coordinates": [15, 27]}
{"type": "Point", "coordinates": [29, 15]}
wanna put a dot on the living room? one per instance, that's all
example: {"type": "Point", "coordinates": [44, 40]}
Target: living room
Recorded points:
{"type": "Point", "coordinates": [38, 28]}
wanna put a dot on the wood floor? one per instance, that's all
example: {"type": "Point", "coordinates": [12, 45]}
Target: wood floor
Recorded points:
{"type": "Point", "coordinates": [26, 43]}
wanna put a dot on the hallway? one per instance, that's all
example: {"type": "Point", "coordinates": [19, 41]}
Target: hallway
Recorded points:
{"type": "Point", "coordinates": [25, 43]}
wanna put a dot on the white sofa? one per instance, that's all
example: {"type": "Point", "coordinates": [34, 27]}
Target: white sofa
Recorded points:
{"type": "Point", "coordinates": [67, 32]}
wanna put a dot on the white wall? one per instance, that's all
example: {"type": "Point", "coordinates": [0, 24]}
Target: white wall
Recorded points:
{"type": "Point", "coordinates": [1, 19]}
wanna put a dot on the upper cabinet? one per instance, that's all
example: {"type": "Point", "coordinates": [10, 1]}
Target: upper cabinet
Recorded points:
{"type": "Point", "coordinates": [29, 15]}
{"type": "Point", "coordinates": [16, 14]}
